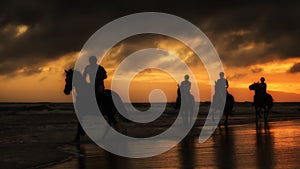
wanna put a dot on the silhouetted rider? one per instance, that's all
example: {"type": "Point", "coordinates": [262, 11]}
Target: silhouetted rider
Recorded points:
{"type": "Point", "coordinates": [93, 70]}
{"type": "Point", "coordinates": [263, 86]}
{"type": "Point", "coordinates": [185, 86]}
{"type": "Point", "coordinates": [222, 83]}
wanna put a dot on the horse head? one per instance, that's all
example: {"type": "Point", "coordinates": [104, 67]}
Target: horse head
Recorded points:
{"type": "Point", "coordinates": [68, 80]}
{"type": "Point", "coordinates": [74, 79]}
{"type": "Point", "coordinates": [254, 86]}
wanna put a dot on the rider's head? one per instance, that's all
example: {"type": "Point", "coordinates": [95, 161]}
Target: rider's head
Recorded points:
{"type": "Point", "coordinates": [93, 60]}
{"type": "Point", "coordinates": [221, 74]}
{"type": "Point", "coordinates": [186, 77]}
{"type": "Point", "coordinates": [262, 79]}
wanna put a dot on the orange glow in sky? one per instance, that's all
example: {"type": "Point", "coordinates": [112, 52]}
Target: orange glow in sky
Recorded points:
{"type": "Point", "coordinates": [48, 85]}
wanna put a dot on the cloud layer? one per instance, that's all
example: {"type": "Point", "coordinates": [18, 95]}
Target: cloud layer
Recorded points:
{"type": "Point", "coordinates": [33, 33]}
{"type": "Point", "coordinates": [295, 68]}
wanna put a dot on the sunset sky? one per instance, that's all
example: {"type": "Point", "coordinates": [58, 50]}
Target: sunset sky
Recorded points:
{"type": "Point", "coordinates": [40, 39]}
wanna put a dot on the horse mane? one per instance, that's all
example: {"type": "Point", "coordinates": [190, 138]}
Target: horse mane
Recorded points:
{"type": "Point", "coordinates": [77, 78]}
{"type": "Point", "coordinates": [76, 73]}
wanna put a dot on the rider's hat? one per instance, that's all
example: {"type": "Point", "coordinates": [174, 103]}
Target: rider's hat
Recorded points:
{"type": "Point", "coordinates": [262, 79]}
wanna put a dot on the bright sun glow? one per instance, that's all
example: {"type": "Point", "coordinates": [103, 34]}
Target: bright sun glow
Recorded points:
{"type": "Point", "coordinates": [21, 29]}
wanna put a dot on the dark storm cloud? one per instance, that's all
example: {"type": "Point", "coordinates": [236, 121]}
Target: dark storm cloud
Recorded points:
{"type": "Point", "coordinates": [237, 76]}
{"type": "Point", "coordinates": [271, 29]}
{"type": "Point", "coordinates": [257, 70]}
{"type": "Point", "coordinates": [138, 42]}
{"type": "Point", "coordinates": [55, 28]}
{"type": "Point", "coordinates": [295, 68]}
{"type": "Point", "coordinates": [128, 46]}
{"type": "Point", "coordinates": [59, 27]}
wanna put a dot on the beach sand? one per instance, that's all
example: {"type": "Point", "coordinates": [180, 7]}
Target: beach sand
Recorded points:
{"type": "Point", "coordinates": [41, 135]}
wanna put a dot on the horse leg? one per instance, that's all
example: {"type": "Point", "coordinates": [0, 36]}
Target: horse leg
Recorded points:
{"type": "Point", "coordinates": [259, 112]}
{"type": "Point", "coordinates": [182, 115]}
{"type": "Point", "coordinates": [256, 114]}
{"type": "Point", "coordinates": [77, 138]}
{"type": "Point", "coordinates": [266, 114]}
{"type": "Point", "coordinates": [226, 119]}
{"type": "Point", "coordinates": [185, 118]}
{"type": "Point", "coordinates": [111, 119]}
{"type": "Point", "coordinates": [80, 132]}
{"type": "Point", "coordinates": [190, 116]}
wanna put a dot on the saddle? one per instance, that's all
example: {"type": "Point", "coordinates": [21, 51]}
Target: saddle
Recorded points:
{"type": "Point", "coordinates": [261, 98]}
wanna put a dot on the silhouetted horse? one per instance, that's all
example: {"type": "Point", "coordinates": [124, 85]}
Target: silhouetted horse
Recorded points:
{"type": "Point", "coordinates": [104, 99]}
{"type": "Point", "coordinates": [261, 101]}
{"type": "Point", "coordinates": [178, 99]}
{"type": "Point", "coordinates": [186, 103]}
{"type": "Point", "coordinates": [187, 107]}
{"type": "Point", "coordinates": [67, 91]}
{"type": "Point", "coordinates": [228, 105]}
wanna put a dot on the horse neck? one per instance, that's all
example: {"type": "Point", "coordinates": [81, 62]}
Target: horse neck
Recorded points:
{"type": "Point", "coordinates": [258, 91]}
{"type": "Point", "coordinates": [79, 84]}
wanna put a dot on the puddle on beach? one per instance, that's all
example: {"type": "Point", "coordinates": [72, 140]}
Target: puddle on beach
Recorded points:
{"type": "Point", "coordinates": [276, 145]}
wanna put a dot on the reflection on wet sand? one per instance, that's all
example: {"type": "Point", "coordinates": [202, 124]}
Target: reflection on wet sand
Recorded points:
{"type": "Point", "coordinates": [187, 152]}
{"type": "Point", "coordinates": [238, 146]}
{"type": "Point", "coordinates": [224, 145]}
{"type": "Point", "coordinates": [90, 156]}
{"type": "Point", "coordinates": [81, 156]}
{"type": "Point", "coordinates": [264, 146]}
{"type": "Point", "coordinates": [114, 161]}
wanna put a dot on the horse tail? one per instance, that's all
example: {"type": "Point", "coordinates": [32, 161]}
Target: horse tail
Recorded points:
{"type": "Point", "coordinates": [229, 103]}
{"type": "Point", "coordinates": [270, 100]}
{"type": "Point", "coordinates": [230, 100]}
{"type": "Point", "coordinates": [119, 105]}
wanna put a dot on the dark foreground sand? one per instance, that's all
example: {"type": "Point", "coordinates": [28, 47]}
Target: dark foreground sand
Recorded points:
{"type": "Point", "coordinates": [41, 136]}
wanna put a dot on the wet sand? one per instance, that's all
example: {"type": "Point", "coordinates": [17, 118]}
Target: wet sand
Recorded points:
{"type": "Point", "coordinates": [275, 145]}
{"type": "Point", "coordinates": [41, 136]}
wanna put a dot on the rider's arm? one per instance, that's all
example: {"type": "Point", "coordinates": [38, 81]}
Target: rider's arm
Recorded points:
{"type": "Point", "coordinates": [104, 73]}
{"type": "Point", "coordinates": [85, 72]}
{"type": "Point", "coordinates": [227, 85]}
